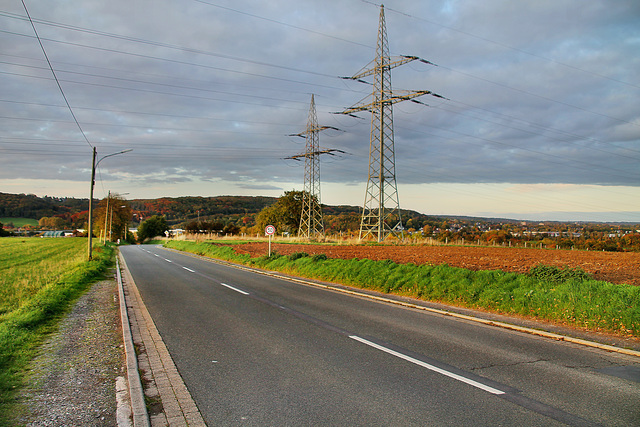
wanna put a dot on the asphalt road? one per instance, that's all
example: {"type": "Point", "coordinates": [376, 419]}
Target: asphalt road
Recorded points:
{"type": "Point", "coordinates": [258, 350]}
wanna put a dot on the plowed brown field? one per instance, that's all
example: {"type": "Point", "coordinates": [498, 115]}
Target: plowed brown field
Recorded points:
{"type": "Point", "coordinates": [614, 267]}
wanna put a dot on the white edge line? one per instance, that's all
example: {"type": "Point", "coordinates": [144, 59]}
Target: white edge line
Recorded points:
{"type": "Point", "coordinates": [188, 269]}
{"type": "Point", "coordinates": [428, 366]}
{"type": "Point", "coordinates": [234, 289]}
{"type": "Point", "coordinates": [493, 323]}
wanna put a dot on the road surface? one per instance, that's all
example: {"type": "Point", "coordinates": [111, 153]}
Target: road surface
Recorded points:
{"type": "Point", "coordinates": [259, 350]}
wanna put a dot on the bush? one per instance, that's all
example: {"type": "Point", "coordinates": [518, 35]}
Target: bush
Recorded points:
{"type": "Point", "coordinates": [296, 255]}
{"type": "Point", "coordinates": [553, 274]}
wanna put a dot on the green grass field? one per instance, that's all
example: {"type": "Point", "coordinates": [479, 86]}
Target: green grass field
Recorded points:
{"type": "Point", "coordinates": [39, 280]}
{"type": "Point", "coordinates": [567, 296]}
{"type": "Point", "coordinates": [29, 264]}
{"type": "Point", "coordinates": [19, 222]}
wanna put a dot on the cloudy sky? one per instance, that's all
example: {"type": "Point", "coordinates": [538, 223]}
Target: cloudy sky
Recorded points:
{"type": "Point", "coordinates": [541, 120]}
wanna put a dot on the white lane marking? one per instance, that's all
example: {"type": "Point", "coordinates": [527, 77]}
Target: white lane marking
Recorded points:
{"type": "Point", "coordinates": [235, 289]}
{"type": "Point", "coordinates": [188, 269]}
{"type": "Point", "coordinates": [428, 366]}
{"type": "Point", "coordinates": [168, 260]}
{"type": "Point", "coordinates": [156, 255]}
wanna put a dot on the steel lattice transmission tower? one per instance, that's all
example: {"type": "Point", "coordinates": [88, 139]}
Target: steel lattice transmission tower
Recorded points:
{"type": "Point", "coordinates": [311, 223]}
{"type": "Point", "coordinates": [381, 210]}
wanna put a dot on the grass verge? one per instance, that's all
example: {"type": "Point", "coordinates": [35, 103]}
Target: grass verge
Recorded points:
{"type": "Point", "coordinates": [567, 296]}
{"type": "Point", "coordinates": [25, 323]}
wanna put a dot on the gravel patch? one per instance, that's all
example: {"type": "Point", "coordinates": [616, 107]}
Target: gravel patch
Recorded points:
{"type": "Point", "coordinates": [72, 382]}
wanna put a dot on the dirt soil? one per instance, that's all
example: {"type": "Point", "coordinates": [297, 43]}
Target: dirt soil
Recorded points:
{"type": "Point", "coordinates": [614, 267]}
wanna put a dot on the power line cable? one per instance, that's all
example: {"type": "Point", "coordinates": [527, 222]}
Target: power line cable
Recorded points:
{"type": "Point", "coordinates": [285, 24]}
{"type": "Point", "coordinates": [55, 76]}
{"type": "Point", "coordinates": [262, 133]}
{"type": "Point", "coordinates": [176, 47]}
{"type": "Point", "coordinates": [166, 76]}
{"type": "Point", "coordinates": [160, 44]}
{"type": "Point", "coordinates": [526, 131]}
{"type": "Point", "coordinates": [526, 92]}
{"type": "Point", "coordinates": [506, 46]}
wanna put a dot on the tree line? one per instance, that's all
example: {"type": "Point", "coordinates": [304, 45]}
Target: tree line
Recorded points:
{"type": "Point", "coordinates": [231, 215]}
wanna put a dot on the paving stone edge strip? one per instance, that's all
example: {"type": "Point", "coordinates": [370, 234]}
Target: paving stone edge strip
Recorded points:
{"type": "Point", "coordinates": [136, 393]}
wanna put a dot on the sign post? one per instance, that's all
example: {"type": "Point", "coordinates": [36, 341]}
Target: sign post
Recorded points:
{"type": "Point", "coordinates": [269, 230]}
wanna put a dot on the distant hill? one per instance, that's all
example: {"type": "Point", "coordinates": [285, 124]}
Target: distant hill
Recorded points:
{"type": "Point", "coordinates": [34, 207]}
{"type": "Point", "coordinates": [179, 210]}
{"type": "Point", "coordinates": [240, 210]}
{"type": "Point", "coordinates": [176, 210]}
{"type": "Point", "coordinates": [190, 208]}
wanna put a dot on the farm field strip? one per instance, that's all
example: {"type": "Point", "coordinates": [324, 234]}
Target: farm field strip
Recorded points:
{"type": "Point", "coordinates": [39, 280]}
{"type": "Point", "coordinates": [28, 265]}
{"type": "Point", "coordinates": [614, 267]}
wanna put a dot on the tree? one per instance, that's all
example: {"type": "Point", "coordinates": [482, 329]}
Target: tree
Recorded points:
{"type": "Point", "coordinates": [284, 214]}
{"type": "Point", "coordinates": [206, 227]}
{"type": "Point", "coordinates": [193, 227]}
{"type": "Point", "coordinates": [52, 223]}
{"type": "Point", "coordinates": [231, 229]}
{"type": "Point", "coordinates": [154, 226]}
{"type": "Point", "coordinates": [112, 217]}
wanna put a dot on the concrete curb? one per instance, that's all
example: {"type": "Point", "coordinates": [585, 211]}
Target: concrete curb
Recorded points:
{"type": "Point", "coordinates": [164, 380]}
{"type": "Point", "coordinates": [136, 393]}
{"type": "Point", "coordinates": [123, 403]}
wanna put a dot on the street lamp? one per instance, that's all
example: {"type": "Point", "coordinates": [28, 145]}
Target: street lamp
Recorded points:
{"type": "Point", "coordinates": [93, 181]}
{"type": "Point", "coordinates": [104, 242]}
{"type": "Point", "coordinates": [111, 223]}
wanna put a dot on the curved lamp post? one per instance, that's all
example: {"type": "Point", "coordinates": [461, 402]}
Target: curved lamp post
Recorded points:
{"type": "Point", "coordinates": [104, 242]}
{"type": "Point", "coordinates": [93, 181]}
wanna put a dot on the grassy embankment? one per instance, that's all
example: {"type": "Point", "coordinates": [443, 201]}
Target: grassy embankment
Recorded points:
{"type": "Point", "coordinates": [568, 296]}
{"type": "Point", "coordinates": [39, 279]}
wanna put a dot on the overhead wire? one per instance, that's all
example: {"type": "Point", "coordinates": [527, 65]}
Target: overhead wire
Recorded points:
{"type": "Point", "coordinates": [503, 45]}
{"type": "Point", "coordinates": [285, 24]}
{"type": "Point", "coordinates": [55, 76]}
{"type": "Point", "coordinates": [292, 69]}
{"type": "Point", "coordinates": [161, 76]}
{"type": "Point", "coordinates": [175, 47]}
{"type": "Point", "coordinates": [144, 41]}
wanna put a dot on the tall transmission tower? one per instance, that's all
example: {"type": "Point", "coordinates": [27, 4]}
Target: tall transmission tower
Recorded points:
{"type": "Point", "coordinates": [311, 223]}
{"type": "Point", "coordinates": [381, 211]}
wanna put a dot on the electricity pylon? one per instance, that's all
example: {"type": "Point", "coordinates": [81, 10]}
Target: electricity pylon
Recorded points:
{"type": "Point", "coordinates": [311, 224]}
{"type": "Point", "coordinates": [381, 210]}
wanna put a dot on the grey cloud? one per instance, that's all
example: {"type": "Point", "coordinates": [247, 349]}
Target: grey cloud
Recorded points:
{"type": "Point", "coordinates": [539, 92]}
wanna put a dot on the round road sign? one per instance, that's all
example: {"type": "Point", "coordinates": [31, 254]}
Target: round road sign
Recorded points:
{"type": "Point", "coordinates": [269, 230]}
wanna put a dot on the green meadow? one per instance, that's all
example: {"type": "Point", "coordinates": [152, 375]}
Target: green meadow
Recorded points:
{"type": "Point", "coordinates": [39, 280]}
{"type": "Point", "coordinates": [19, 222]}
{"type": "Point", "coordinates": [567, 296]}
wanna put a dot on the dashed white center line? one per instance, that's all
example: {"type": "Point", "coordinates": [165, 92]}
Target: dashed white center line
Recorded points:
{"type": "Point", "coordinates": [429, 366]}
{"type": "Point", "coordinates": [235, 289]}
{"type": "Point", "coordinates": [188, 269]}
{"type": "Point", "coordinates": [168, 260]}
